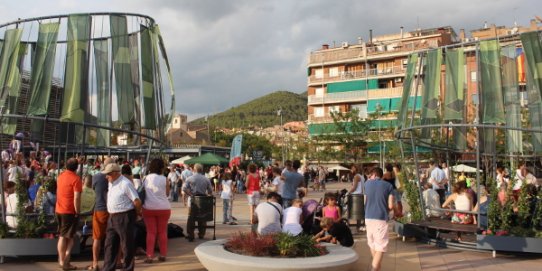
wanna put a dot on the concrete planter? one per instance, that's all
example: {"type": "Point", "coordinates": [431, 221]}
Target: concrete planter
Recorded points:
{"type": "Point", "coordinates": [404, 230]}
{"type": "Point", "coordinates": [214, 257]}
{"type": "Point", "coordinates": [32, 247]}
{"type": "Point", "coordinates": [509, 243]}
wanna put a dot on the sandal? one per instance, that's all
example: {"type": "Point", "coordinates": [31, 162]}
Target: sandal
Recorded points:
{"type": "Point", "coordinates": [148, 260]}
{"type": "Point", "coordinates": [69, 267]}
{"type": "Point", "coordinates": [93, 268]}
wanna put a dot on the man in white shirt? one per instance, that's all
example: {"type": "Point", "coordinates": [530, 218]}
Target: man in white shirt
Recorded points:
{"type": "Point", "coordinates": [268, 215]}
{"type": "Point", "coordinates": [187, 172]}
{"type": "Point", "coordinates": [173, 179]}
{"type": "Point", "coordinates": [438, 181]}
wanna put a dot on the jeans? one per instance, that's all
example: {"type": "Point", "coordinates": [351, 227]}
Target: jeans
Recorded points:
{"type": "Point", "coordinates": [174, 193]}
{"type": "Point", "coordinates": [227, 209]}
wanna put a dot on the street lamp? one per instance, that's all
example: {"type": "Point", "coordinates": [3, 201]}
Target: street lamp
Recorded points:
{"type": "Point", "coordinates": [381, 154]}
{"type": "Point", "coordinates": [279, 112]}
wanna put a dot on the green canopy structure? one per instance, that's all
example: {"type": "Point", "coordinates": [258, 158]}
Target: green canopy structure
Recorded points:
{"type": "Point", "coordinates": [207, 159]}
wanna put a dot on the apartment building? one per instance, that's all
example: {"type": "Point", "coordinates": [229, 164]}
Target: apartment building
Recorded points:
{"type": "Point", "coordinates": [368, 76]}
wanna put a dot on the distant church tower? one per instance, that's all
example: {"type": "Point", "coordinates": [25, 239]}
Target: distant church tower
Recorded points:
{"type": "Point", "coordinates": [180, 121]}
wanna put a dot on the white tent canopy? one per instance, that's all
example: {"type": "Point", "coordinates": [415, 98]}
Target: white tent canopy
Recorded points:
{"type": "Point", "coordinates": [337, 167]}
{"type": "Point", "coordinates": [181, 160]}
{"type": "Point", "coordinates": [464, 168]}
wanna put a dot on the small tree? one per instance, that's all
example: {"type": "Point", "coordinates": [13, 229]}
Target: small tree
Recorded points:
{"type": "Point", "coordinates": [350, 132]}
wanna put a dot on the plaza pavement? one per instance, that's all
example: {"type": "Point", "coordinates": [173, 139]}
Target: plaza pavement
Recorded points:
{"type": "Point", "coordinates": [401, 256]}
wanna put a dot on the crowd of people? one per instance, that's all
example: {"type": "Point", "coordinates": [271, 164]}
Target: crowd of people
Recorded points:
{"type": "Point", "coordinates": [106, 195]}
{"type": "Point", "coordinates": [109, 194]}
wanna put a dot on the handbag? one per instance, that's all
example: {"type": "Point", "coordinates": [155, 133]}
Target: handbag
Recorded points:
{"type": "Point", "coordinates": [141, 192]}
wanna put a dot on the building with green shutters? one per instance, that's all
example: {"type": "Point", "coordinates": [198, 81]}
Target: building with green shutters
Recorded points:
{"type": "Point", "coordinates": [427, 77]}
{"type": "Point", "coordinates": [368, 77]}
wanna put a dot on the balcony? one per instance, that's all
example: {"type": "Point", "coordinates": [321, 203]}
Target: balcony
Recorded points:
{"type": "Point", "coordinates": [354, 96]}
{"type": "Point", "coordinates": [351, 75]}
{"type": "Point", "coordinates": [376, 50]}
{"type": "Point", "coordinates": [339, 97]}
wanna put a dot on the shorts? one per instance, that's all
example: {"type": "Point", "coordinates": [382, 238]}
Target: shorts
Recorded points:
{"type": "Point", "coordinates": [462, 218]}
{"type": "Point", "coordinates": [67, 224]}
{"type": "Point", "coordinates": [254, 198]}
{"type": "Point", "coordinates": [99, 224]}
{"type": "Point", "coordinates": [377, 234]}
{"type": "Point", "coordinates": [397, 196]}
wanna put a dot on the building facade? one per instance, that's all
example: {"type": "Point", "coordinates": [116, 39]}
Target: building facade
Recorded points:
{"type": "Point", "coordinates": [368, 76]}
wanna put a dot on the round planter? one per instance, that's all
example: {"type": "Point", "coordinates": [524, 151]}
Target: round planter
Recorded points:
{"type": "Point", "coordinates": [214, 257]}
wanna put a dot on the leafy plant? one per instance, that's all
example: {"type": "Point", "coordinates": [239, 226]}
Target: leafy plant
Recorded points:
{"type": "Point", "coordinates": [3, 230]}
{"type": "Point", "coordinates": [413, 198]}
{"type": "Point", "coordinates": [26, 226]}
{"type": "Point", "coordinates": [297, 246]}
{"type": "Point", "coordinates": [279, 244]}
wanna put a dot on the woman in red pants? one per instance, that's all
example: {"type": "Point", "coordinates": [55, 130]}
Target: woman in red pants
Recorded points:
{"type": "Point", "coordinates": [156, 209]}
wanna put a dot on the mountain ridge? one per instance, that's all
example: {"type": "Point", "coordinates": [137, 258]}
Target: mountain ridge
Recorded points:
{"type": "Point", "coordinates": [262, 111]}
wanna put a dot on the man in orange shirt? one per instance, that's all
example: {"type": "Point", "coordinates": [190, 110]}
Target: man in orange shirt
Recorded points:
{"type": "Point", "coordinates": [68, 206]}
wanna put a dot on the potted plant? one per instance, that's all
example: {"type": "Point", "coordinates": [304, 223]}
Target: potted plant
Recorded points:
{"type": "Point", "coordinates": [513, 226]}
{"type": "Point", "coordinates": [26, 239]}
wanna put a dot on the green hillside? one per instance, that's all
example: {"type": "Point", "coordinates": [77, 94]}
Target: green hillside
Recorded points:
{"type": "Point", "coordinates": [262, 111]}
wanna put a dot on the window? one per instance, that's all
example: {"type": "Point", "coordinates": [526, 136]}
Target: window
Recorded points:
{"type": "Point", "coordinates": [361, 108]}
{"type": "Point", "coordinates": [334, 109]}
{"type": "Point", "coordinates": [473, 77]}
{"type": "Point", "coordinates": [319, 73]}
{"type": "Point", "coordinates": [319, 111]}
{"type": "Point", "coordinates": [319, 92]}
{"type": "Point", "coordinates": [334, 72]}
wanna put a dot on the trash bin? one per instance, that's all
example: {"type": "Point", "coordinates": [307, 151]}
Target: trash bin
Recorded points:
{"type": "Point", "coordinates": [356, 207]}
{"type": "Point", "coordinates": [202, 208]}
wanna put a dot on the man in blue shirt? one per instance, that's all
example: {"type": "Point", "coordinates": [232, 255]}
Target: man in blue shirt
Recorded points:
{"type": "Point", "coordinates": [378, 203]}
{"type": "Point", "coordinates": [292, 181]}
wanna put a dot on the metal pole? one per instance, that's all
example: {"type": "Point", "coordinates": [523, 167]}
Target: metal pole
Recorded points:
{"type": "Point", "coordinates": [479, 98]}
{"type": "Point", "coordinates": [418, 183]}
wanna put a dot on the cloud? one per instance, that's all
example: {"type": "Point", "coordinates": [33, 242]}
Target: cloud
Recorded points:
{"type": "Point", "coordinates": [224, 53]}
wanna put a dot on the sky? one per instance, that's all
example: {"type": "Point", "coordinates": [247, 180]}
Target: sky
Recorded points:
{"type": "Point", "coordinates": [225, 53]}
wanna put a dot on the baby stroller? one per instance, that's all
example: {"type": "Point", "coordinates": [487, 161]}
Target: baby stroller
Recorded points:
{"type": "Point", "coordinates": [312, 209]}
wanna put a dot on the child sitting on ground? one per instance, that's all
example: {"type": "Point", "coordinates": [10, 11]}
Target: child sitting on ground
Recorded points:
{"type": "Point", "coordinates": [291, 221]}
{"type": "Point", "coordinates": [337, 231]}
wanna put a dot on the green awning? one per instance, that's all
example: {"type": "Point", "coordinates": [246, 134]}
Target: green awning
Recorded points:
{"type": "Point", "coordinates": [322, 128]}
{"type": "Point", "coordinates": [352, 85]}
{"type": "Point", "coordinates": [386, 146]}
{"type": "Point", "coordinates": [396, 104]}
{"type": "Point", "coordinates": [383, 124]}
{"type": "Point", "coordinates": [418, 103]}
{"type": "Point", "coordinates": [384, 104]}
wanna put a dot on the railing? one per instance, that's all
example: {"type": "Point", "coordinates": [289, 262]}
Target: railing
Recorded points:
{"type": "Point", "coordinates": [340, 54]}
{"type": "Point", "coordinates": [354, 96]}
{"type": "Point", "coordinates": [385, 93]}
{"type": "Point", "coordinates": [350, 75]}
{"type": "Point", "coordinates": [324, 119]}
{"type": "Point", "coordinates": [348, 96]}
